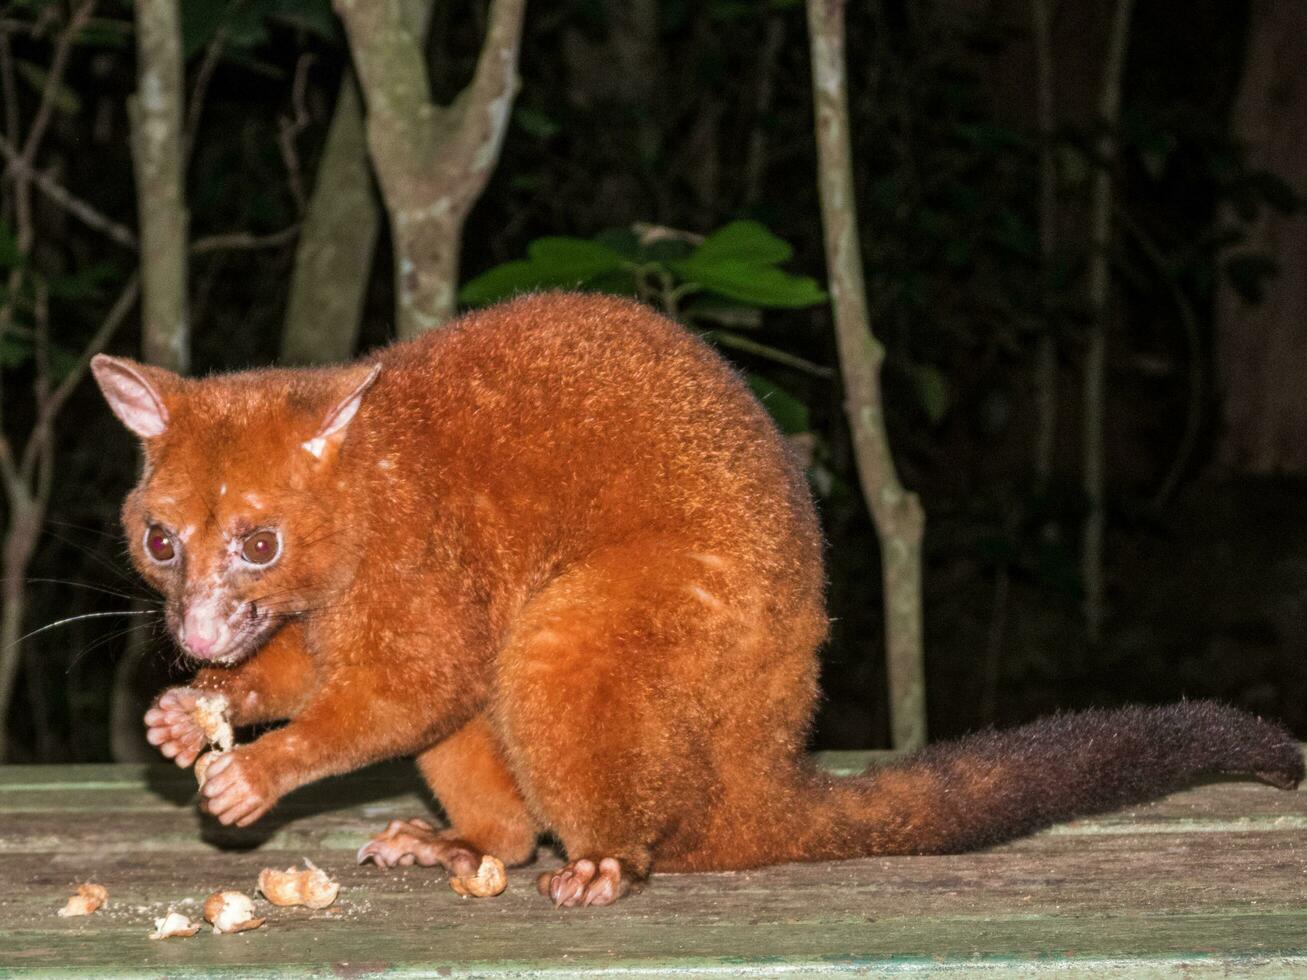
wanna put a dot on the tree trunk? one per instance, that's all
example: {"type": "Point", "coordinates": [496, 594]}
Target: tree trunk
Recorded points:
{"type": "Point", "coordinates": [1262, 349]}
{"type": "Point", "coordinates": [158, 150]}
{"type": "Point", "coordinates": [432, 162]}
{"type": "Point", "coordinates": [897, 513]}
{"type": "Point", "coordinates": [333, 263]}
{"type": "Point", "coordinates": [156, 114]}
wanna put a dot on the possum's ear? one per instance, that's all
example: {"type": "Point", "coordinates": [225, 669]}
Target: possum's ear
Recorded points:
{"type": "Point", "coordinates": [135, 392]}
{"type": "Point", "coordinates": [355, 383]}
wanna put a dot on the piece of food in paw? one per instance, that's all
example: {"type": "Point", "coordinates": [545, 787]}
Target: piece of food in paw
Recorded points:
{"type": "Point", "coordinates": [231, 911]}
{"type": "Point", "coordinates": [202, 765]}
{"type": "Point", "coordinates": [174, 924]}
{"type": "Point", "coordinates": [210, 713]}
{"type": "Point", "coordinates": [312, 887]}
{"type": "Point", "coordinates": [489, 880]}
{"type": "Point", "coordinates": [89, 897]}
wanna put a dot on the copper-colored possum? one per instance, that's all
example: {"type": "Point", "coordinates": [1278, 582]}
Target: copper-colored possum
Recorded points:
{"type": "Point", "coordinates": [558, 552]}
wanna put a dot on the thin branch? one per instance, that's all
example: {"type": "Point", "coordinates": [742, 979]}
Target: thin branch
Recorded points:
{"type": "Point", "coordinates": [212, 55]}
{"type": "Point", "coordinates": [41, 343]}
{"type": "Point", "coordinates": [8, 84]}
{"type": "Point", "coordinates": [290, 129]}
{"type": "Point", "coordinates": [896, 511]}
{"type": "Point", "coordinates": [74, 205]}
{"type": "Point", "coordinates": [49, 407]}
{"type": "Point", "coordinates": [99, 340]}
{"type": "Point", "coordinates": [1046, 375]}
{"type": "Point", "coordinates": [1189, 322]}
{"type": "Point", "coordinates": [1099, 295]}
{"type": "Point", "coordinates": [42, 435]}
{"type": "Point", "coordinates": [237, 241]}
{"type": "Point", "coordinates": [648, 233]}
{"type": "Point", "coordinates": [755, 165]}
{"type": "Point", "coordinates": [728, 339]}
{"type": "Point", "coordinates": [12, 481]}
{"type": "Point", "coordinates": [53, 81]}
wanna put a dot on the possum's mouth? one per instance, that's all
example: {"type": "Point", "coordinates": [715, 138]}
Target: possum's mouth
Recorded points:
{"type": "Point", "coordinates": [244, 634]}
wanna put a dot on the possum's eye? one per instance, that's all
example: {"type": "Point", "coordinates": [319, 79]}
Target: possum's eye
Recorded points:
{"type": "Point", "coordinates": [159, 544]}
{"type": "Point", "coordinates": [261, 547]}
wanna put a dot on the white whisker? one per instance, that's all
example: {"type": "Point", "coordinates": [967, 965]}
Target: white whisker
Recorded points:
{"type": "Point", "coordinates": [90, 615]}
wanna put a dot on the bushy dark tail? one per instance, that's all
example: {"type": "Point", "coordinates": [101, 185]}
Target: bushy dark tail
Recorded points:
{"type": "Point", "coordinates": [994, 786]}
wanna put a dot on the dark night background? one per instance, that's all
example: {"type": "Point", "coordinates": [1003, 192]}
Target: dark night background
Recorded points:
{"type": "Point", "coordinates": [689, 115]}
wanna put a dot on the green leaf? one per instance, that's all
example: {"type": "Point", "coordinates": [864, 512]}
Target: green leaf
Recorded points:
{"type": "Point", "coordinates": [573, 256]}
{"type": "Point", "coordinates": [739, 262]}
{"type": "Point", "coordinates": [84, 283]}
{"type": "Point", "coordinates": [932, 391]}
{"type": "Point", "coordinates": [665, 250]}
{"type": "Point", "coordinates": [747, 282]}
{"type": "Point", "coordinates": [500, 282]}
{"type": "Point", "coordinates": [105, 33]}
{"type": "Point", "coordinates": [14, 351]}
{"type": "Point", "coordinates": [535, 123]}
{"type": "Point", "coordinates": [554, 261]}
{"type": "Point", "coordinates": [746, 241]}
{"type": "Point", "coordinates": [618, 282]}
{"type": "Point", "coordinates": [623, 241]}
{"type": "Point", "coordinates": [790, 415]}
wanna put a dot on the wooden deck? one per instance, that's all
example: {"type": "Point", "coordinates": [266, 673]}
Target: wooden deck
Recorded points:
{"type": "Point", "coordinates": [1212, 881]}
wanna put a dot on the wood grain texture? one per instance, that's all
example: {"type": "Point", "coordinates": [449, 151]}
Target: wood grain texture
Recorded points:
{"type": "Point", "coordinates": [1205, 882]}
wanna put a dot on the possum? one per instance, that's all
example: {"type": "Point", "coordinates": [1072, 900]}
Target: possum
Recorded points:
{"type": "Point", "coordinates": [560, 554]}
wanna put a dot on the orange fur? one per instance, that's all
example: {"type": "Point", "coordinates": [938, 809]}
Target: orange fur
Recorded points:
{"type": "Point", "coordinates": [560, 554]}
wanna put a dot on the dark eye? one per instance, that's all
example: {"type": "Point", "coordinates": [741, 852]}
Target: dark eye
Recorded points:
{"type": "Point", "coordinates": [158, 544]}
{"type": "Point", "coordinates": [261, 547]}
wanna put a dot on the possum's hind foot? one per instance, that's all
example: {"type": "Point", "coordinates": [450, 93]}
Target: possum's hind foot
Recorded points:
{"type": "Point", "coordinates": [582, 882]}
{"type": "Point", "coordinates": [407, 842]}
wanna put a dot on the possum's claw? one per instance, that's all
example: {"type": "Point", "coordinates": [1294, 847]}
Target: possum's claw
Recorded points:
{"type": "Point", "coordinates": [581, 882]}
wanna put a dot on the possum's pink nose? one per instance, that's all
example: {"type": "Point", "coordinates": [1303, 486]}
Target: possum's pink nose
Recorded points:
{"type": "Point", "coordinates": [203, 632]}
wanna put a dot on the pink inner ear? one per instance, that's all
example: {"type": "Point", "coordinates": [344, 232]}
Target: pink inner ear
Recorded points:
{"type": "Point", "coordinates": [340, 416]}
{"type": "Point", "coordinates": [131, 398]}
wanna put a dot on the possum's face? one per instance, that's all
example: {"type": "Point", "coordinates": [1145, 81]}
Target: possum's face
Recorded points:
{"type": "Point", "coordinates": [232, 519]}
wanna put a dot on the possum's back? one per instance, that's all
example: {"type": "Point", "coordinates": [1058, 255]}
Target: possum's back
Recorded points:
{"type": "Point", "coordinates": [618, 415]}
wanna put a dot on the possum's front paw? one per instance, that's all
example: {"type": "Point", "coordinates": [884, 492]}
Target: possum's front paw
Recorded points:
{"type": "Point", "coordinates": [237, 790]}
{"type": "Point", "coordinates": [173, 725]}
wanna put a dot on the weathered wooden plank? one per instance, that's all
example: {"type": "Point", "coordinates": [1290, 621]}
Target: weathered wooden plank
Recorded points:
{"type": "Point", "coordinates": [1205, 882]}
